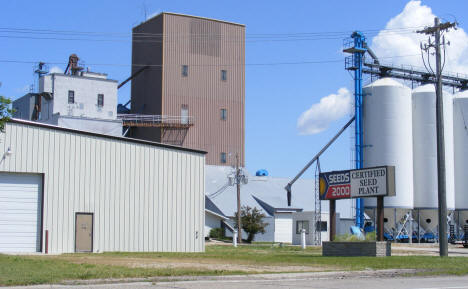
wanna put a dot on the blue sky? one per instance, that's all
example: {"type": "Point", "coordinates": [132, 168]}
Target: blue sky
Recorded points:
{"type": "Point", "coordinates": [276, 95]}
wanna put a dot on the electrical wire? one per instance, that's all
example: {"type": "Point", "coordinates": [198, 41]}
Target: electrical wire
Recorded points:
{"type": "Point", "coordinates": [168, 39]}
{"type": "Point", "coordinates": [219, 191]}
{"type": "Point", "coordinates": [429, 62]}
{"type": "Point", "coordinates": [184, 35]}
{"type": "Point", "coordinates": [443, 64]}
{"type": "Point", "coordinates": [22, 33]}
{"type": "Point", "coordinates": [424, 62]}
{"type": "Point", "coordinates": [304, 62]}
{"type": "Point", "coordinates": [94, 33]}
{"type": "Point", "coordinates": [195, 65]}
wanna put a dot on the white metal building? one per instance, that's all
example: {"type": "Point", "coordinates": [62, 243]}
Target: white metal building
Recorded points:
{"type": "Point", "coordinates": [89, 95]}
{"type": "Point", "coordinates": [269, 196]}
{"type": "Point", "coordinates": [304, 220]}
{"type": "Point", "coordinates": [214, 218]}
{"type": "Point", "coordinates": [63, 190]}
{"type": "Point", "coordinates": [87, 101]}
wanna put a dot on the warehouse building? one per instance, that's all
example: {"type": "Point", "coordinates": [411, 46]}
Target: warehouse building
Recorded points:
{"type": "Point", "coordinates": [64, 190]}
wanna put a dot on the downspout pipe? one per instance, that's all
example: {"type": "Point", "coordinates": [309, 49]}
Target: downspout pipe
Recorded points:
{"type": "Point", "coordinates": [289, 185]}
{"type": "Point", "coordinates": [371, 53]}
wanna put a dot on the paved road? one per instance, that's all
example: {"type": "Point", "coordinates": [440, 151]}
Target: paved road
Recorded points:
{"type": "Point", "coordinates": [283, 281]}
{"type": "Point", "coordinates": [358, 283]}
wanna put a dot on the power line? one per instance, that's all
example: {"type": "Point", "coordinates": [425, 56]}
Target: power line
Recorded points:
{"type": "Point", "coordinates": [159, 65]}
{"type": "Point", "coordinates": [174, 39]}
{"type": "Point", "coordinates": [304, 62]}
{"type": "Point", "coordinates": [12, 33]}
{"type": "Point", "coordinates": [94, 33]}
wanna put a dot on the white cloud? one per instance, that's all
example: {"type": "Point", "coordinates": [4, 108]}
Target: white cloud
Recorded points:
{"type": "Point", "coordinates": [330, 108]}
{"type": "Point", "coordinates": [55, 69]}
{"type": "Point", "coordinates": [396, 40]}
{"type": "Point", "coordinates": [391, 44]}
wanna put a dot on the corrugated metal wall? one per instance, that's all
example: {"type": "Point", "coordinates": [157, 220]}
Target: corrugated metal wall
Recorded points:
{"type": "Point", "coordinates": [144, 197]}
{"type": "Point", "coordinates": [147, 86]}
{"type": "Point", "coordinates": [207, 47]}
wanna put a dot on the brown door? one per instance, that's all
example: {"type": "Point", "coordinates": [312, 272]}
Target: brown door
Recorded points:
{"type": "Point", "coordinates": [84, 232]}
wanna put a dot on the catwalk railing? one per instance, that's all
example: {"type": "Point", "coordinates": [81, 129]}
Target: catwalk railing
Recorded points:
{"type": "Point", "coordinates": [144, 120]}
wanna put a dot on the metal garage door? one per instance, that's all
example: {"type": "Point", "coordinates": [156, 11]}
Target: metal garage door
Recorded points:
{"type": "Point", "coordinates": [20, 212]}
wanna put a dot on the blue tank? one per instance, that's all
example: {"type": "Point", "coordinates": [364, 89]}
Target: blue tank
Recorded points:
{"type": "Point", "coordinates": [261, 173]}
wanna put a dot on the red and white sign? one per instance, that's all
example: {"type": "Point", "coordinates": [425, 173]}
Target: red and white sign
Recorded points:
{"type": "Point", "coordinates": [368, 182]}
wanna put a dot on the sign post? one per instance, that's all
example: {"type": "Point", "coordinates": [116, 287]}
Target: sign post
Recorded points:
{"type": "Point", "coordinates": [332, 220]}
{"type": "Point", "coordinates": [380, 218]}
{"type": "Point", "coordinates": [362, 183]}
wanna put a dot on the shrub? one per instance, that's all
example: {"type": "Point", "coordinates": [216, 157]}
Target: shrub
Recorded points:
{"type": "Point", "coordinates": [370, 237]}
{"type": "Point", "coordinates": [217, 233]}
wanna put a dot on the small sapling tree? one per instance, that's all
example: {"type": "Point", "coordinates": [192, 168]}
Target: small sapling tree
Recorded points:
{"type": "Point", "coordinates": [251, 222]}
{"type": "Point", "coordinates": [5, 112]}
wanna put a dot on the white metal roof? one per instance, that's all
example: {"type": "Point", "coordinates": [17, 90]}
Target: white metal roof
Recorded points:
{"type": "Point", "coordinates": [267, 189]}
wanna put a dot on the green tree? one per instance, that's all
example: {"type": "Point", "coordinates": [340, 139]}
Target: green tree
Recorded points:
{"type": "Point", "coordinates": [251, 221]}
{"type": "Point", "coordinates": [5, 112]}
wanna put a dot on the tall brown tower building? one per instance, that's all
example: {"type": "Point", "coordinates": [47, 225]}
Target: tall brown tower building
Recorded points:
{"type": "Point", "coordinates": [195, 73]}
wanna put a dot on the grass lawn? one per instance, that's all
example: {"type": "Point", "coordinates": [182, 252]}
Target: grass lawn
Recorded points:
{"type": "Point", "coordinates": [26, 270]}
{"type": "Point", "coordinates": [295, 256]}
{"type": "Point", "coordinates": [22, 270]}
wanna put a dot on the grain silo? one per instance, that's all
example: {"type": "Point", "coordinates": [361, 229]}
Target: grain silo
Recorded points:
{"type": "Point", "coordinates": [425, 156]}
{"type": "Point", "coordinates": [424, 147]}
{"type": "Point", "coordinates": [460, 129]}
{"type": "Point", "coordinates": [388, 134]}
{"type": "Point", "coordinates": [449, 147]}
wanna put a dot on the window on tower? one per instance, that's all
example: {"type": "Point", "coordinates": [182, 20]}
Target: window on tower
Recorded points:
{"type": "Point", "coordinates": [184, 70]}
{"type": "Point", "coordinates": [223, 114]}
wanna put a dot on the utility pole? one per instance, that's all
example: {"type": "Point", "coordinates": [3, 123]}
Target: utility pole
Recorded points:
{"type": "Point", "coordinates": [238, 180]}
{"type": "Point", "coordinates": [436, 32]}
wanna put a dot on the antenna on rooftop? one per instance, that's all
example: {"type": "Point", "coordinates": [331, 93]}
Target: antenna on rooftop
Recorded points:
{"type": "Point", "coordinates": [145, 10]}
